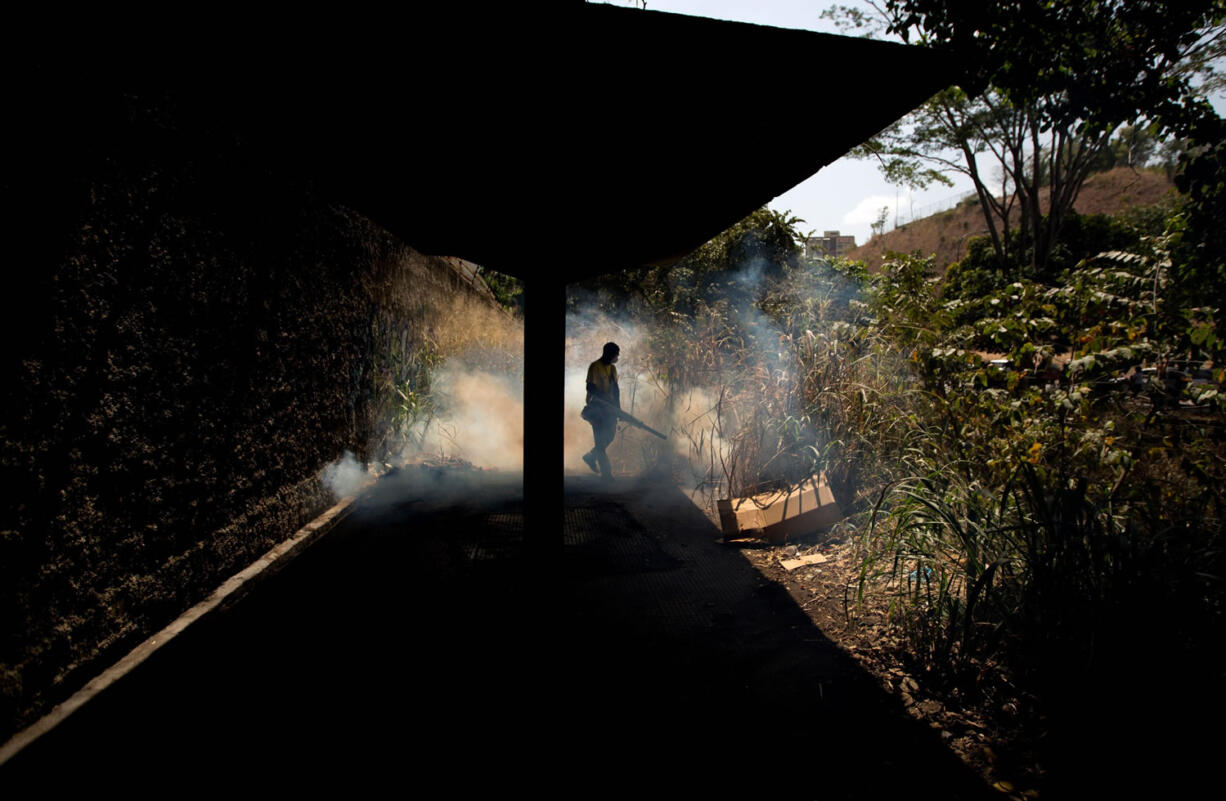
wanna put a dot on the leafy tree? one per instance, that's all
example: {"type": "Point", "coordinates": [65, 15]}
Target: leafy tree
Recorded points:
{"type": "Point", "coordinates": [1047, 83]}
{"type": "Point", "coordinates": [878, 225]}
{"type": "Point", "coordinates": [508, 290]}
{"type": "Point", "coordinates": [760, 248]}
{"type": "Point", "coordinates": [1083, 63]}
{"type": "Point", "coordinates": [1133, 146]}
{"type": "Point", "coordinates": [1036, 164]}
{"type": "Point", "coordinates": [1199, 249]}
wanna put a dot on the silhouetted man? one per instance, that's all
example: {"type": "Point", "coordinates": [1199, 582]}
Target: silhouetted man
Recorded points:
{"type": "Point", "coordinates": [603, 401]}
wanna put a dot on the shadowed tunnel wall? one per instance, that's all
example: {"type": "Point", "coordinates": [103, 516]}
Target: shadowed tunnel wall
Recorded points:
{"type": "Point", "coordinates": [189, 340]}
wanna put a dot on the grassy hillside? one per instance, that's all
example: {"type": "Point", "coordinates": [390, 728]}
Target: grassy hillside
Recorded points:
{"type": "Point", "coordinates": [946, 234]}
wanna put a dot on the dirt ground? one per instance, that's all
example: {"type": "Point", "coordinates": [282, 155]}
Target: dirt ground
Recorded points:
{"type": "Point", "coordinates": [827, 593]}
{"type": "Point", "coordinates": [983, 733]}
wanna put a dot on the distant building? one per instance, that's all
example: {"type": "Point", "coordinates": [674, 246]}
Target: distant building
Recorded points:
{"type": "Point", "coordinates": [829, 244]}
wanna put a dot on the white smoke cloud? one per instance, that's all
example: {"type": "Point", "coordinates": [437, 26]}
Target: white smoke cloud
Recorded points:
{"type": "Point", "coordinates": [694, 446]}
{"type": "Point", "coordinates": [866, 210]}
{"type": "Point", "coordinates": [480, 418]}
{"type": "Point", "coordinates": [470, 405]}
{"type": "Point", "coordinates": [346, 477]}
{"type": "Point", "coordinates": [724, 416]}
{"type": "Point", "coordinates": [586, 333]}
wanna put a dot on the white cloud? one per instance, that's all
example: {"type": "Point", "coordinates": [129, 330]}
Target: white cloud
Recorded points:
{"type": "Point", "coordinates": [866, 211]}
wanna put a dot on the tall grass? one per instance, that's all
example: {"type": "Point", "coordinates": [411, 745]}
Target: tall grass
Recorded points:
{"type": "Point", "coordinates": [1004, 516]}
{"type": "Point", "coordinates": [1033, 523]}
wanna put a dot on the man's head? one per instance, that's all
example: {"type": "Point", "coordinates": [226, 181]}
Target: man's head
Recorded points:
{"type": "Point", "coordinates": [610, 352]}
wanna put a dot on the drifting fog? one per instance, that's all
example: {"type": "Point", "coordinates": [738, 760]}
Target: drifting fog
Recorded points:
{"type": "Point", "coordinates": [724, 416]}
{"type": "Point", "coordinates": [481, 419]}
{"type": "Point", "coordinates": [476, 399]}
{"type": "Point", "coordinates": [693, 445]}
{"type": "Point", "coordinates": [478, 396]}
{"type": "Point", "coordinates": [346, 476]}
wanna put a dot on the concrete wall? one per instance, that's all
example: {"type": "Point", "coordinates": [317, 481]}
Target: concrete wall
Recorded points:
{"type": "Point", "coordinates": [189, 339]}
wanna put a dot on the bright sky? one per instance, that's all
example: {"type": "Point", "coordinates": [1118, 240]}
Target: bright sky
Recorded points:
{"type": "Point", "coordinates": [848, 194]}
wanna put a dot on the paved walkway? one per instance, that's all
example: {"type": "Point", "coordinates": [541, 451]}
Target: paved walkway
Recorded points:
{"type": "Point", "coordinates": [420, 647]}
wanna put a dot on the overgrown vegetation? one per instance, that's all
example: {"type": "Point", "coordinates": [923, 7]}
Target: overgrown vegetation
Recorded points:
{"type": "Point", "coordinates": [1034, 467]}
{"type": "Point", "coordinates": [460, 334]}
{"type": "Point", "coordinates": [724, 326]}
{"type": "Point", "coordinates": [1030, 442]}
{"type": "Point", "coordinates": [1039, 499]}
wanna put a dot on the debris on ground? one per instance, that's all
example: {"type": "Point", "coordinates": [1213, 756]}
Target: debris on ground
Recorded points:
{"type": "Point", "coordinates": [799, 562]}
{"type": "Point", "coordinates": [802, 509]}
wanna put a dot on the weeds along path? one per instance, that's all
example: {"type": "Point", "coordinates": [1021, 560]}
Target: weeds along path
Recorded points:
{"type": "Point", "coordinates": [1114, 737]}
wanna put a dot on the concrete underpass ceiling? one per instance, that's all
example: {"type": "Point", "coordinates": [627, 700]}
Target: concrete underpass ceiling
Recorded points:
{"type": "Point", "coordinates": [557, 143]}
{"type": "Point", "coordinates": [621, 138]}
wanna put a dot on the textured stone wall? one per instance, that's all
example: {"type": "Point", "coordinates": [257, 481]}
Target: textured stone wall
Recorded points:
{"type": "Point", "coordinates": [190, 339]}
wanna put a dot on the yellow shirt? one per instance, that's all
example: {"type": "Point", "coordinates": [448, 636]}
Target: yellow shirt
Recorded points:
{"type": "Point", "coordinates": [602, 381]}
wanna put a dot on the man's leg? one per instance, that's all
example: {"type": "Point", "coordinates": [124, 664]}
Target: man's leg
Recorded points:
{"type": "Point", "coordinates": [604, 437]}
{"type": "Point", "coordinates": [589, 459]}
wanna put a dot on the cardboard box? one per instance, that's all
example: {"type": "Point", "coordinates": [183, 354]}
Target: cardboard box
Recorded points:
{"type": "Point", "coordinates": [806, 508]}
